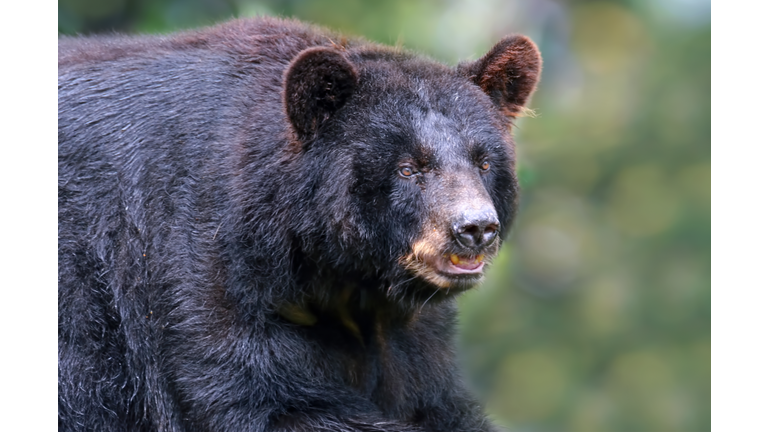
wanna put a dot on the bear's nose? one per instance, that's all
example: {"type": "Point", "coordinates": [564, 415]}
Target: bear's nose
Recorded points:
{"type": "Point", "coordinates": [476, 229]}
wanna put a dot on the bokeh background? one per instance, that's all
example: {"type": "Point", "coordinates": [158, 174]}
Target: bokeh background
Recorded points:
{"type": "Point", "coordinates": [596, 316]}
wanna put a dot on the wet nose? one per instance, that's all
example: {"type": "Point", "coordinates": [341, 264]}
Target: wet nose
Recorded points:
{"type": "Point", "coordinates": [476, 229]}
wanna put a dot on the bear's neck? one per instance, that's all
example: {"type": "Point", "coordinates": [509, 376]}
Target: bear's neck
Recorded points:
{"type": "Point", "coordinates": [357, 309]}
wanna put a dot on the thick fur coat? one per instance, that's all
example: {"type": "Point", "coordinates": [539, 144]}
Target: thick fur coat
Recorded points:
{"type": "Point", "coordinates": [263, 225]}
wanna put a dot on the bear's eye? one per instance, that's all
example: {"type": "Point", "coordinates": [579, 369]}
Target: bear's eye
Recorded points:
{"type": "Point", "coordinates": [407, 172]}
{"type": "Point", "coordinates": [485, 166]}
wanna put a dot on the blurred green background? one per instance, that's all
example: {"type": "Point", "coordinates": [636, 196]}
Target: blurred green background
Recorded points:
{"type": "Point", "coordinates": [596, 316]}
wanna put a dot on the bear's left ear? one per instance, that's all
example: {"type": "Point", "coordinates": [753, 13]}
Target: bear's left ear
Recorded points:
{"type": "Point", "coordinates": [317, 83]}
{"type": "Point", "coordinates": [508, 73]}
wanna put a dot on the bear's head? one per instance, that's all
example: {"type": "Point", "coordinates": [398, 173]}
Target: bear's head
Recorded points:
{"type": "Point", "coordinates": [410, 163]}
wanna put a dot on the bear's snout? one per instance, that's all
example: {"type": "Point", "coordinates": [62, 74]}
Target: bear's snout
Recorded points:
{"type": "Point", "coordinates": [476, 228]}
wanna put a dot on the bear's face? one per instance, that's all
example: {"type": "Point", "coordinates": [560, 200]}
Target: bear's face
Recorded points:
{"type": "Point", "coordinates": [419, 161]}
{"type": "Point", "coordinates": [433, 184]}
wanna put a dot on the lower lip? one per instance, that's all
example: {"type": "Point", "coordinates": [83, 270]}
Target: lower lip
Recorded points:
{"type": "Point", "coordinates": [470, 269]}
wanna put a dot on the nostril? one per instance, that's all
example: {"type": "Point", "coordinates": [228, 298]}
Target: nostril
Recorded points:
{"type": "Point", "coordinates": [464, 234]}
{"type": "Point", "coordinates": [489, 233]}
{"type": "Point", "coordinates": [467, 234]}
{"type": "Point", "coordinates": [472, 230]}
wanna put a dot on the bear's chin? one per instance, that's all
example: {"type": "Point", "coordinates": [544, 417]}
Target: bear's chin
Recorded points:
{"type": "Point", "coordinates": [453, 282]}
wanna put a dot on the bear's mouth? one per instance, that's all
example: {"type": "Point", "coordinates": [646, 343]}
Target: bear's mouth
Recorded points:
{"type": "Point", "coordinates": [456, 270]}
{"type": "Point", "coordinates": [453, 270]}
{"type": "Point", "coordinates": [454, 264]}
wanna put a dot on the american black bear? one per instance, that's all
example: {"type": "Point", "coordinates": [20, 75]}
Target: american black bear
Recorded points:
{"type": "Point", "coordinates": [263, 225]}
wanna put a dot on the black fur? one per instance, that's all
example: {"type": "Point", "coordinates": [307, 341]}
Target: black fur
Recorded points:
{"type": "Point", "coordinates": [237, 234]}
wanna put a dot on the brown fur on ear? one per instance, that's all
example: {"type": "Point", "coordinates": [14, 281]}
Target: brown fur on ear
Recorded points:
{"type": "Point", "coordinates": [317, 83]}
{"type": "Point", "coordinates": [508, 73]}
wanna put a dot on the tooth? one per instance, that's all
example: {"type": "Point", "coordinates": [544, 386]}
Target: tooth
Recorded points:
{"type": "Point", "coordinates": [455, 259]}
{"type": "Point", "coordinates": [479, 258]}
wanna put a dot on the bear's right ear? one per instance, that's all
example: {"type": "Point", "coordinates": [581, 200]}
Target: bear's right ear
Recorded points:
{"type": "Point", "coordinates": [317, 83]}
{"type": "Point", "coordinates": [508, 73]}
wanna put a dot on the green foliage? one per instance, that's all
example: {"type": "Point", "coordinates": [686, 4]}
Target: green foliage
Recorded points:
{"type": "Point", "coordinates": [596, 316]}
